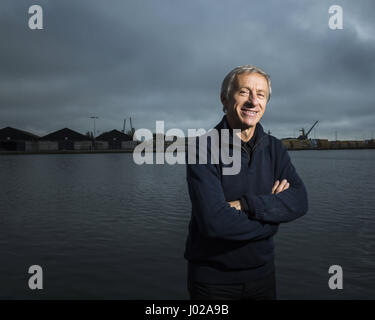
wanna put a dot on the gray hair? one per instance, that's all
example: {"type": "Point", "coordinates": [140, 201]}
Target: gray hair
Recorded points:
{"type": "Point", "coordinates": [227, 84]}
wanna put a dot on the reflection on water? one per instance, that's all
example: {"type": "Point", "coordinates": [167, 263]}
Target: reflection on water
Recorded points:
{"type": "Point", "coordinates": [104, 227]}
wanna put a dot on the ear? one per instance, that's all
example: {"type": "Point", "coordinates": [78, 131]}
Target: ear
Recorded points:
{"type": "Point", "coordinates": [224, 102]}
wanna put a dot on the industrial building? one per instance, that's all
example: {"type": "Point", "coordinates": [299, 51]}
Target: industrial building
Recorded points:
{"type": "Point", "coordinates": [114, 140]}
{"type": "Point", "coordinates": [65, 139]}
{"type": "Point", "coordinates": [12, 139]}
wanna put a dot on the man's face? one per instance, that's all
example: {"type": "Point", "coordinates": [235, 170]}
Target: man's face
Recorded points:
{"type": "Point", "coordinates": [247, 101]}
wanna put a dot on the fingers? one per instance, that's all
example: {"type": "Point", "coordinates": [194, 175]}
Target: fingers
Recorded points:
{"type": "Point", "coordinates": [277, 182]}
{"type": "Point", "coordinates": [235, 204]}
{"type": "Point", "coordinates": [281, 186]}
{"type": "Point", "coordinates": [284, 185]}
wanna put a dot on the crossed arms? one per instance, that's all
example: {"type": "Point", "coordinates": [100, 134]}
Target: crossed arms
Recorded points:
{"type": "Point", "coordinates": [277, 188]}
{"type": "Point", "coordinates": [217, 218]}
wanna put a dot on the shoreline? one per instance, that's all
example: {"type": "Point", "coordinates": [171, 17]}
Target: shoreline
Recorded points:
{"type": "Point", "coordinates": [131, 151]}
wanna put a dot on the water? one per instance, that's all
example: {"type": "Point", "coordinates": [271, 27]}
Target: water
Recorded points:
{"type": "Point", "coordinates": [103, 227]}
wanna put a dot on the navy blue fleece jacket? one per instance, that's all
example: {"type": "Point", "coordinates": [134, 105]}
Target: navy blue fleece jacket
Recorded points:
{"type": "Point", "coordinates": [228, 239]}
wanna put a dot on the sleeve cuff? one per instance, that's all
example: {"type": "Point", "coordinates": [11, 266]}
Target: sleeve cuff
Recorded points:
{"type": "Point", "coordinates": [252, 206]}
{"type": "Point", "coordinates": [244, 205]}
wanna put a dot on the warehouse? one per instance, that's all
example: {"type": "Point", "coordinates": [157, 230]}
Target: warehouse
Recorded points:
{"type": "Point", "coordinates": [12, 139]}
{"type": "Point", "coordinates": [114, 140]}
{"type": "Point", "coordinates": [65, 139]}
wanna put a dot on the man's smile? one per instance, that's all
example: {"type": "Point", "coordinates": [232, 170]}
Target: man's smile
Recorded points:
{"type": "Point", "coordinates": [248, 112]}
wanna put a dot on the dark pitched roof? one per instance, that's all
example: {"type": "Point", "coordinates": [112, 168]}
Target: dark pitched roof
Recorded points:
{"type": "Point", "coordinates": [16, 134]}
{"type": "Point", "coordinates": [113, 135]}
{"type": "Point", "coordinates": [65, 133]}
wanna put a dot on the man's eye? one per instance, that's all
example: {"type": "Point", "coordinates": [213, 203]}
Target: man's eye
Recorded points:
{"type": "Point", "coordinates": [244, 92]}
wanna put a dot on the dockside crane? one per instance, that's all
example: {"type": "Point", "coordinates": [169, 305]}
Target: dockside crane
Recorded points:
{"type": "Point", "coordinates": [304, 135]}
{"type": "Point", "coordinates": [131, 131]}
{"type": "Point", "coordinates": [131, 127]}
{"type": "Point", "coordinates": [123, 128]}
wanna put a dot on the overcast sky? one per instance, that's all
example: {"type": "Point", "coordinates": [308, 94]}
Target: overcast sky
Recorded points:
{"type": "Point", "coordinates": [165, 60]}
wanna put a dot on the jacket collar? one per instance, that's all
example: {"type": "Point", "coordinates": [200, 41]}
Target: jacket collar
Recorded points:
{"type": "Point", "coordinates": [260, 138]}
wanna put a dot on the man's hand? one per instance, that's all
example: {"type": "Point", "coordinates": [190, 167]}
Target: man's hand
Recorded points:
{"type": "Point", "coordinates": [279, 187]}
{"type": "Point", "coordinates": [236, 204]}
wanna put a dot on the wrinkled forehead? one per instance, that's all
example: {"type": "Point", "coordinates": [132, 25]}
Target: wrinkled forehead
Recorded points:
{"type": "Point", "coordinates": [251, 80]}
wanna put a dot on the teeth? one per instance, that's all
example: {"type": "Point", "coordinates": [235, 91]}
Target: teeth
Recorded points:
{"type": "Point", "coordinates": [251, 113]}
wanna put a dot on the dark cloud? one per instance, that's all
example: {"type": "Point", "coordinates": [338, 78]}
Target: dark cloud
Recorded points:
{"type": "Point", "coordinates": [165, 60]}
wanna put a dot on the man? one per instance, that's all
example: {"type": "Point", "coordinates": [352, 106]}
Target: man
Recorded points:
{"type": "Point", "coordinates": [230, 248]}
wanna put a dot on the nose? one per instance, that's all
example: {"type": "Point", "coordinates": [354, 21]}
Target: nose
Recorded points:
{"type": "Point", "coordinates": [253, 99]}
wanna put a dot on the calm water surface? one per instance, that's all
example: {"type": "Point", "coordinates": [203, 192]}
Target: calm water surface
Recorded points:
{"type": "Point", "coordinates": [103, 227]}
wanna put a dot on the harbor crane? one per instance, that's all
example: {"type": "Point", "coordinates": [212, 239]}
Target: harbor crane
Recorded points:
{"type": "Point", "coordinates": [131, 132]}
{"type": "Point", "coordinates": [131, 127]}
{"type": "Point", "coordinates": [304, 135]}
{"type": "Point", "coordinates": [123, 128]}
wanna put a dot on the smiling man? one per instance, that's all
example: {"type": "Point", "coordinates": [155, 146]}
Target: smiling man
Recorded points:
{"type": "Point", "coordinates": [230, 248]}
